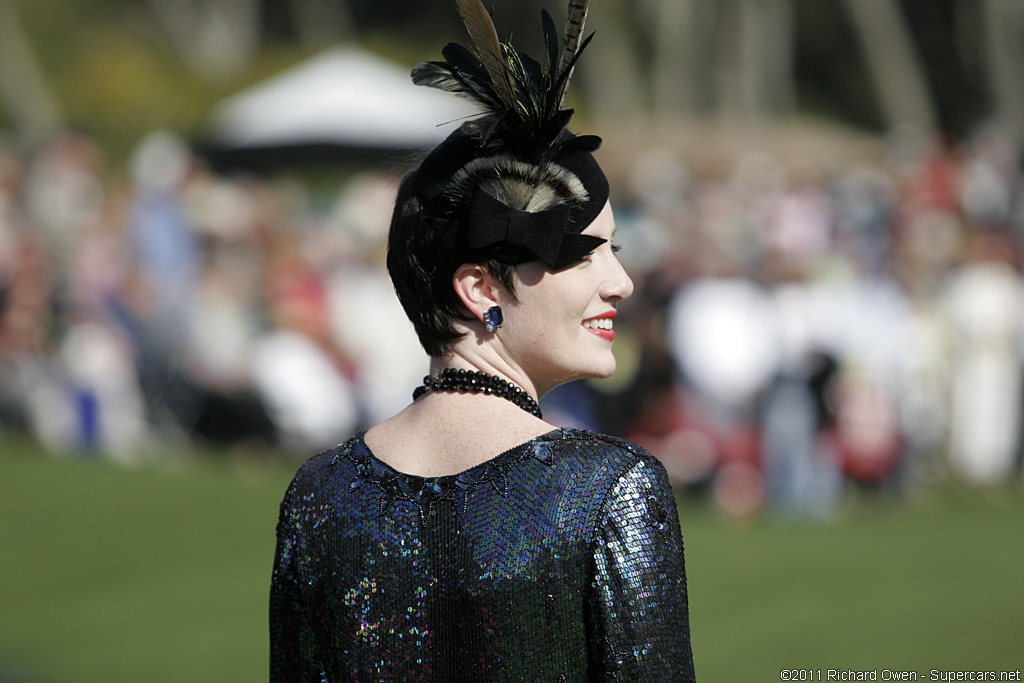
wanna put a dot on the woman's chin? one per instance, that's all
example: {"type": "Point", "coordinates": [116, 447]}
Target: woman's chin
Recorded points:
{"type": "Point", "coordinates": [602, 370]}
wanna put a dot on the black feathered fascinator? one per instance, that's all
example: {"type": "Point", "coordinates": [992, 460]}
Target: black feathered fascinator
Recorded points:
{"type": "Point", "coordinates": [514, 184]}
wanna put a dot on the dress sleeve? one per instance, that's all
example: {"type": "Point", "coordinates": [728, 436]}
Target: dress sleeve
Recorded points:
{"type": "Point", "coordinates": [293, 648]}
{"type": "Point", "coordinates": [639, 603]}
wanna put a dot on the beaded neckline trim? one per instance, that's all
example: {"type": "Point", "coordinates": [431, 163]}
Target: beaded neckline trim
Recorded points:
{"type": "Point", "coordinates": [425, 493]}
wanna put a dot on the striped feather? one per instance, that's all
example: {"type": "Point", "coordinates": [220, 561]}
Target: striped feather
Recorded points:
{"type": "Point", "coordinates": [574, 24]}
{"type": "Point", "coordinates": [488, 47]}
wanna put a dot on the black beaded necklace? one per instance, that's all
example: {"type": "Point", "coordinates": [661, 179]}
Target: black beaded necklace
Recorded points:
{"type": "Point", "coordinates": [476, 382]}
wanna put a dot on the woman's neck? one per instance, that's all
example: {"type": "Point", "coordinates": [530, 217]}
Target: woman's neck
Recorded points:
{"type": "Point", "coordinates": [445, 433]}
{"type": "Point", "coordinates": [497, 367]}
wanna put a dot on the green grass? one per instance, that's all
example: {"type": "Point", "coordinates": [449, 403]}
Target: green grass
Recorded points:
{"type": "Point", "coordinates": [160, 574]}
{"type": "Point", "coordinates": [937, 587]}
{"type": "Point", "coordinates": [115, 574]}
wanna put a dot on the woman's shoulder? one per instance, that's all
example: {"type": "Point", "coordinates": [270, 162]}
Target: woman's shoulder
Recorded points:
{"type": "Point", "coordinates": [613, 454]}
{"type": "Point", "coordinates": [318, 469]}
{"type": "Point", "coordinates": [615, 474]}
{"type": "Point", "coordinates": [604, 444]}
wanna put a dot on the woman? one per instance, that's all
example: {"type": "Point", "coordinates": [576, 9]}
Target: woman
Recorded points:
{"type": "Point", "coordinates": [465, 539]}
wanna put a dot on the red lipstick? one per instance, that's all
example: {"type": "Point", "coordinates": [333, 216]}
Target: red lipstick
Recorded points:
{"type": "Point", "coordinates": [601, 325]}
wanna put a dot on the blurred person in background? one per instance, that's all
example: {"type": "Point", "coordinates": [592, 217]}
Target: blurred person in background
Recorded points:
{"type": "Point", "coordinates": [194, 309]}
{"type": "Point", "coordinates": [360, 298]}
{"type": "Point", "coordinates": [983, 302]}
{"type": "Point", "coordinates": [65, 367]}
{"type": "Point", "coordinates": [26, 289]}
{"type": "Point", "coordinates": [165, 256]}
{"type": "Point", "coordinates": [465, 538]}
{"type": "Point", "coordinates": [65, 196]}
{"type": "Point", "coordinates": [74, 369]}
{"type": "Point", "coordinates": [303, 377]}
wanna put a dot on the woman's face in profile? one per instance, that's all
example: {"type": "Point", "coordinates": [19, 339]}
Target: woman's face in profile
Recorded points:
{"type": "Point", "coordinates": [561, 328]}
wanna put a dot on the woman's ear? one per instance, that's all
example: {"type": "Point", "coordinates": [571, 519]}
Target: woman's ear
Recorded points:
{"type": "Point", "coordinates": [475, 287]}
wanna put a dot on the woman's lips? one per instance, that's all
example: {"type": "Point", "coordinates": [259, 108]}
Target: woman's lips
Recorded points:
{"type": "Point", "coordinates": [601, 325]}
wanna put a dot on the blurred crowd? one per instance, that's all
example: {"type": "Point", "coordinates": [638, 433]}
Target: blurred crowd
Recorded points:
{"type": "Point", "coordinates": [796, 332]}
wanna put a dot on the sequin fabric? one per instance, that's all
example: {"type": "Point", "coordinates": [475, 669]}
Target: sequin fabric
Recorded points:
{"type": "Point", "coordinates": [560, 560]}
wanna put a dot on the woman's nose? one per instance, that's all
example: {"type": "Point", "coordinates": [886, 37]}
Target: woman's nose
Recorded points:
{"type": "Point", "coordinates": [619, 285]}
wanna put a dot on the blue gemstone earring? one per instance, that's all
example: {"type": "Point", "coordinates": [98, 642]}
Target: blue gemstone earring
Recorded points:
{"type": "Point", "coordinates": [493, 318]}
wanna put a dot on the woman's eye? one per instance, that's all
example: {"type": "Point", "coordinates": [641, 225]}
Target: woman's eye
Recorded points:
{"type": "Point", "coordinates": [587, 258]}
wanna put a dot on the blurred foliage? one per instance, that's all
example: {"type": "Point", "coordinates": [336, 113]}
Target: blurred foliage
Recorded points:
{"type": "Point", "coordinates": [114, 71]}
{"type": "Point", "coordinates": [121, 88]}
{"type": "Point", "coordinates": [115, 76]}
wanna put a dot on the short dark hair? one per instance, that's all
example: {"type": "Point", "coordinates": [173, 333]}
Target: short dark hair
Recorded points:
{"type": "Point", "coordinates": [422, 266]}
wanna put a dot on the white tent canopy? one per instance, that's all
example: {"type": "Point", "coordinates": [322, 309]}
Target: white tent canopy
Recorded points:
{"type": "Point", "coordinates": [344, 96]}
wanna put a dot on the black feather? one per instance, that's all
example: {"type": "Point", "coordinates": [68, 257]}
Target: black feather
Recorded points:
{"type": "Point", "coordinates": [550, 39]}
{"type": "Point", "coordinates": [461, 58]}
{"type": "Point", "coordinates": [523, 100]}
{"type": "Point", "coordinates": [442, 76]}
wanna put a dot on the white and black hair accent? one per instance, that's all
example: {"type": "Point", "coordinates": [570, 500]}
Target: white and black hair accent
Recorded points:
{"type": "Point", "coordinates": [516, 184]}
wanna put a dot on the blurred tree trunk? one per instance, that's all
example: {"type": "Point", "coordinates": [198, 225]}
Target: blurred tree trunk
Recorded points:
{"type": "Point", "coordinates": [1004, 57]}
{"type": "Point", "coordinates": [766, 59]}
{"type": "Point", "coordinates": [23, 88]}
{"type": "Point", "coordinates": [216, 38]}
{"type": "Point", "coordinates": [682, 65]}
{"type": "Point", "coordinates": [893, 63]}
{"type": "Point", "coordinates": [754, 77]}
{"type": "Point", "coordinates": [726, 61]}
{"type": "Point", "coordinates": [321, 22]}
{"type": "Point", "coordinates": [611, 70]}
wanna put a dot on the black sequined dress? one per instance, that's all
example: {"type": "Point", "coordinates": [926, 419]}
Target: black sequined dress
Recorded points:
{"type": "Point", "coordinates": [557, 561]}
